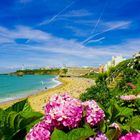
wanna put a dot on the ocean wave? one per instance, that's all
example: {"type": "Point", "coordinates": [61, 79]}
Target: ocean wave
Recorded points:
{"type": "Point", "coordinates": [18, 91]}
{"type": "Point", "coordinates": [55, 81]}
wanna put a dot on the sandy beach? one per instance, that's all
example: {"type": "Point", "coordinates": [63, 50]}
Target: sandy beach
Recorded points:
{"type": "Point", "coordinates": [73, 86]}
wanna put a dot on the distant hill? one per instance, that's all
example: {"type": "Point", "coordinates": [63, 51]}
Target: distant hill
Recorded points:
{"type": "Point", "coordinates": [68, 72]}
{"type": "Point", "coordinates": [40, 71]}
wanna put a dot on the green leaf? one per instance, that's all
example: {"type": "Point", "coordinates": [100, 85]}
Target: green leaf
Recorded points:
{"type": "Point", "coordinates": [102, 127]}
{"type": "Point", "coordinates": [125, 112]}
{"type": "Point", "coordinates": [58, 135]}
{"type": "Point", "coordinates": [17, 120]}
{"type": "Point", "coordinates": [135, 123]}
{"type": "Point", "coordinates": [31, 124]}
{"type": "Point", "coordinates": [1, 134]}
{"type": "Point", "coordinates": [112, 111]}
{"type": "Point", "coordinates": [80, 133]}
{"type": "Point", "coordinates": [19, 106]}
{"type": "Point", "coordinates": [125, 127]}
{"type": "Point", "coordinates": [132, 125]}
{"type": "Point", "coordinates": [30, 118]}
{"type": "Point", "coordinates": [87, 126]}
{"type": "Point", "coordinates": [2, 117]}
{"type": "Point", "coordinates": [28, 114]}
{"type": "Point", "coordinates": [12, 120]}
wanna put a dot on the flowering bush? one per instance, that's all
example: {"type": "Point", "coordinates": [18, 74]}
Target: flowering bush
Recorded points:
{"type": "Point", "coordinates": [128, 97]}
{"type": "Point", "coordinates": [130, 136]}
{"type": "Point", "coordinates": [67, 118]}
{"type": "Point", "coordinates": [62, 110]}
{"type": "Point", "coordinates": [40, 131]}
{"type": "Point", "coordinates": [94, 114]}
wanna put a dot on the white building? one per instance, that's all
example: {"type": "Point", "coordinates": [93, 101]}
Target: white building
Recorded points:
{"type": "Point", "coordinates": [115, 61]}
{"type": "Point", "coordinates": [137, 55]}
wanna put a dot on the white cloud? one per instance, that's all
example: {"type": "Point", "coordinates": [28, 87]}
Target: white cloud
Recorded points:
{"type": "Point", "coordinates": [78, 31]}
{"type": "Point", "coordinates": [69, 51]}
{"type": "Point", "coordinates": [22, 32]}
{"type": "Point", "coordinates": [5, 40]}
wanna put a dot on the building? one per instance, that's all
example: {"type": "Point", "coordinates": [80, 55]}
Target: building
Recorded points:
{"type": "Point", "coordinates": [137, 55]}
{"type": "Point", "coordinates": [115, 61]}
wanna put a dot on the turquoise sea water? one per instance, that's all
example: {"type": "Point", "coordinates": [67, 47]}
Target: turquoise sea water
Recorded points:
{"type": "Point", "coordinates": [13, 87]}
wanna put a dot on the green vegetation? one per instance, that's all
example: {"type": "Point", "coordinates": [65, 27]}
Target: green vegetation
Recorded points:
{"type": "Point", "coordinates": [125, 116]}
{"type": "Point", "coordinates": [115, 82]}
{"type": "Point", "coordinates": [55, 71]}
{"type": "Point", "coordinates": [91, 75]}
{"type": "Point", "coordinates": [124, 79]}
{"type": "Point", "coordinates": [75, 134]}
{"type": "Point", "coordinates": [17, 120]}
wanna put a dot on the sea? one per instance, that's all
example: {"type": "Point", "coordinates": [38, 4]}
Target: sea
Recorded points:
{"type": "Point", "coordinates": [14, 87]}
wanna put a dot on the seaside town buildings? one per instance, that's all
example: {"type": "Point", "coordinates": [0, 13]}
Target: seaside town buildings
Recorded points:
{"type": "Point", "coordinates": [115, 61]}
{"type": "Point", "coordinates": [137, 55]}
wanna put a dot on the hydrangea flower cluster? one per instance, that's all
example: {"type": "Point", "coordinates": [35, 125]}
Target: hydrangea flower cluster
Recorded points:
{"type": "Point", "coordinates": [128, 97]}
{"type": "Point", "coordinates": [40, 131]}
{"type": "Point", "coordinates": [94, 114]}
{"type": "Point", "coordinates": [62, 110]}
{"type": "Point", "coordinates": [130, 136]}
{"type": "Point", "coordinates": [99, 136]}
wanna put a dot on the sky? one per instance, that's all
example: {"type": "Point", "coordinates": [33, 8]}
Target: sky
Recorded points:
{"type": "Point", "coordinates": [41, 33]}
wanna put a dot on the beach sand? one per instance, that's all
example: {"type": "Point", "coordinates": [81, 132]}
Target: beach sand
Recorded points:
{"type": "Point", "coordinates": [73, 86]}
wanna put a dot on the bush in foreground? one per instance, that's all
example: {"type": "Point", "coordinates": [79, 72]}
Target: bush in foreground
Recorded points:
{"type": "Point", "coordinates": [67, 118]}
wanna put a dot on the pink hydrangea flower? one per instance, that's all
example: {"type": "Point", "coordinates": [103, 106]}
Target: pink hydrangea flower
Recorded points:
{"type": "Point", "coordinates": [40, 131]}
{"type": "Point", "coordinates": [94, 114]}
{"type": "Point", "coordinates": [99, 136]}
{"type": "Point", "coordinates": [128, 97]}
{"type": "Point", "coordinates": [64, 111]}
{"type": "Point", "coordinates": [130, 136]}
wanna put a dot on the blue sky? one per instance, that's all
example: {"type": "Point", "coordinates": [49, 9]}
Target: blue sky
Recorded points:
{"type": "Point", "coordinates": [72, 32]}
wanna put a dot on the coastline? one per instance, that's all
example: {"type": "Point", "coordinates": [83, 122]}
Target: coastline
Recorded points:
{"type": "Point", "coordinates": [25, 94]}
{"type": "Point", "coordinates": [5, 104]}
{"type": "Point", "coordinates": [73, 86]}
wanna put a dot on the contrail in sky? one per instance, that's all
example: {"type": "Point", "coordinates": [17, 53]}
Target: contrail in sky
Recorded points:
{"type": "Point", "coordinates": [102, 12]}
{"type": "Point", "coordinates": [54, 17]}
{"type": "Point", "coordinates": [107, 30]}
{"type": "Point", "coordinates": [98, 21]}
